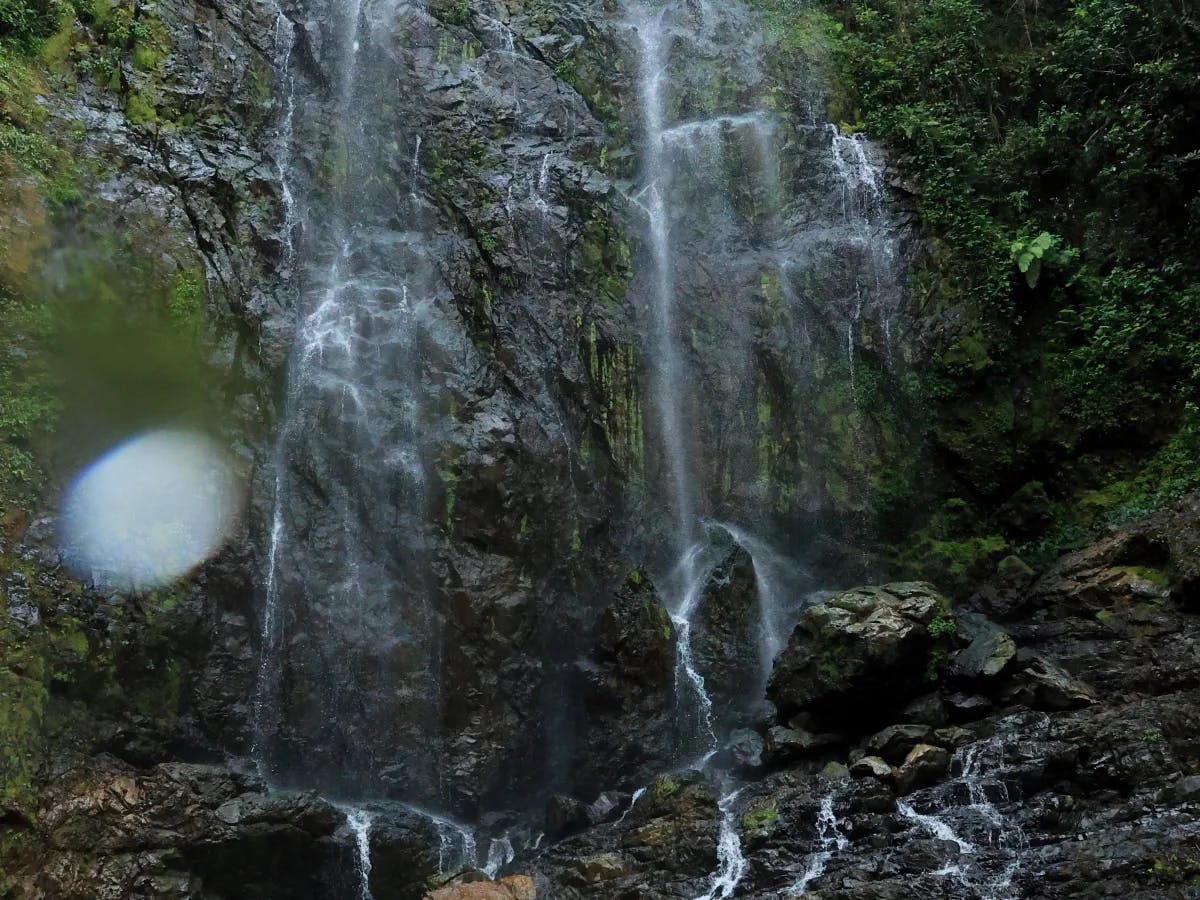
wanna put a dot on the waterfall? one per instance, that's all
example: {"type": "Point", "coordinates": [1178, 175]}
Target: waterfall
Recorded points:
{"type": "Point", "coordinates": [829, 840]}
{"type": "Point", "coordinates": [457, 846]}
{"type": "Point", "coordinates": [657, 172]}
{"type": "Point", "coordinates": [722, 219]}
{"type": "Point", "coordinates": [637, 795]}
{"type": "Point", "coordinates": [285, 42]}
{"type": "Point", "coordinates": [689, 580]}
{"type": "Point", "coordinates": [731, 236]}
{"type": "Point", "coordinates": [360, 822]}
{"type": "Point", "coordinates": [347, 623]}
{"type": "Point", "coordinates": [990, 842]}
{"type": "Point", "coordinates": [780, 591]}
{"type": "Point", "coordinates": [500, 854]}
{"type": "Point", "coordinates": [731, 863]}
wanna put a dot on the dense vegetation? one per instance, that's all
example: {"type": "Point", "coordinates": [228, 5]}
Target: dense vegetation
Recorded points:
{"type": "Point", "coordinates": [94, 310]}
{"type": "Point", "coordinates": [1052, 150]}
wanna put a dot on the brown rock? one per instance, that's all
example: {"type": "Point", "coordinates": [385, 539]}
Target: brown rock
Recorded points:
{"type": "Point", "coordinates": [924, 765]}
{"type": "Point", "coordinates": [514, 887]}
{"type": "Point", "coordinates": [871, 767]}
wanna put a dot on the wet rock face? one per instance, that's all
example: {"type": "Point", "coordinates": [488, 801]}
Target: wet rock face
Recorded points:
{"type": "Point", "coordinates": [445, 542]}
{"type": "Point", "coordinates": [185, 831]}
{"type": "Point", "coordinates": [857, 656]}
{"type": "Point", "coordinates": [1046, 788]}
{"type": "Point", "coordinates": [629, 692]}
{"type": "Point", "coordinates": [665, 846]}
{"type": "Point", "coordinates": [728, 636]}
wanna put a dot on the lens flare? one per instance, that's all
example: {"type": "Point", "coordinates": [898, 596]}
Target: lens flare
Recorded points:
{"type": "Point", "coordinates": [149, 511]}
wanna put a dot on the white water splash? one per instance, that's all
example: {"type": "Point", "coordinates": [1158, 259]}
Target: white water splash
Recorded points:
{"type": "Point", "coordinates": [731, 863]}
{"type": "Point", "coordinates": [935, 826]}
{"type": "Point", "coordinates": [360, 822]}
{"type": "Point", "coordinates": [990, 842]}
{"type": "Point", "coordinates": [456, 846]}
{"type": "Point", "coordinates": [416, 167]}
{"type": "Point", "coordinates": [637, 795]}
{"type": "Point", "coordinates": [500, 854]}
{"type": "Point", "coordinates": [777, 584]}
{"type": "Point", "coordinates": [829, 840]}
{"type": "Point", "coordinates": [860, 177]}
{"type": "Point", "coordinates": [690, 576]}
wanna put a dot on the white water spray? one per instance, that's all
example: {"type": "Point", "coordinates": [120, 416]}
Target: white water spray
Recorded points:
{"type": "Point", "coordinates": [500, 854]}
{"type": "Point", "coordinates": [731, 863]}
{"type": "Point", "coordinates": [360, 822]}
{"type": "Point", "coordinates": [830, 839]}
{"type": "Point", "coordinates": [637, 795]}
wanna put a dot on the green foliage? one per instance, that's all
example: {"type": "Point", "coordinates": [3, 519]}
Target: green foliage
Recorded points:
{"type": "Point", "coordinates": [452, 12]}
{"type": "Point", "coordinates": [1051, 149]}
{"type": "Point", "coordinates": [1053, 136]}
{"type": "Point", "coordinates": [140, 111]}
{"type": "Point", "coordinates": [1167, 477]}
{"type": "Point", "coordinates": [26, 23]}
{"type": "Point", "coordinates": [185, 302]}
{"type": "Point", "coordinates": [665, 787]}
{"type": "Point", "coordinates": [938, 660]}
{"type": "Point", "coordinates": [1030, 254]}
{"type": "Point", "coordinates": [762, 818]}
{"type": "Point", "coordinates": [1178, 868]}
{"type": "Point", "coordinates": [943, 626]}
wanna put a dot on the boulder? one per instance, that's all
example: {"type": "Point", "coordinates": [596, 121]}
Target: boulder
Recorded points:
{"type": "Point", "coordinates": [725, 636]}
{"type": "Point", "coordinates": [856, 658]}
{"type": "Point", "coordinates": [784, 744]}
{"type": "Point", "coordinates": [565, 815]}
{"type": "Point", "coordinates": [927, 710]}
{"type": "Point", "coordinates": [119, 832]}
{"type": "Point", "coordinates": [601, 867]}
{"type": "Point", "coordinates": [924, 765]}
{"type": "Point", "coordinates": [964, 707]}
{"type": "Point", "coordinates": [895, 741]}
{"type": "Point", "coordinates": [871, 767]}
{"type": "Point", "coordinates": [628, 686]}
{"type": "Point", "coordinates": [990, 652]}
{"type": "Point", "coordinates": [406, 851]}
{"type": "Point", "coordinates": [746, 749]}
{"type": "Point", "coordinates": [514, 887]}
{"type": "Point", "coordinates": [607, 806]}
{"type": "Point", "coordinates": [1043, 684]}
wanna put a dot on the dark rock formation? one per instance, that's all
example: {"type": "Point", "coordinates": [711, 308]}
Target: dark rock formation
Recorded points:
{"type": "Point", "coordinates": [856, 657]}
{"type": "Point", "coordinates": [628, 692]}
{"type": "Point", "coordinates": [727, 636]}
{"type": "Point", "coordinates": [184, 831]}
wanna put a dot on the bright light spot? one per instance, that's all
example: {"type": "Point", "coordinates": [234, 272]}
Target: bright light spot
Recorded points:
{"type": "Point", "coordinates": [149, 511]}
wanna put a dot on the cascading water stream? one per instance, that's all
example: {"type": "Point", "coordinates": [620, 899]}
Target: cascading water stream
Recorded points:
{"type": "Point", "coordinates": [731, 862]}
{"type": "Point", "coordinates": [500, 854]}
{"type": "Point", "coordinates": [990, 843]}
{"type": "Point", "coordinates": [285, 42]}
{"type": "Point", "coordinates": [778, 586]}
{"type": "Point", "coordinates": [345, 610]}
{"type": "Point", "coordinates": [719, 167]}
{"type": "Point", "coordinates": [637, 795]}
{"type": "Point", "coordinates": [830, 839]}
{"type": "Point", "coordinates": [657, 172]}
{"type": "Point", "coordinates": [360, 822]}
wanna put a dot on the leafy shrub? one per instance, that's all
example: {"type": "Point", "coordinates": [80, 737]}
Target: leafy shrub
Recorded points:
{"type": "Point", "coordinates": [26, 22]}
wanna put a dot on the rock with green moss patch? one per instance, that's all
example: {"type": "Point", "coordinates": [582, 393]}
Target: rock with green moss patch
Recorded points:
{"type": "Point", "coordinates": [857, 657]}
